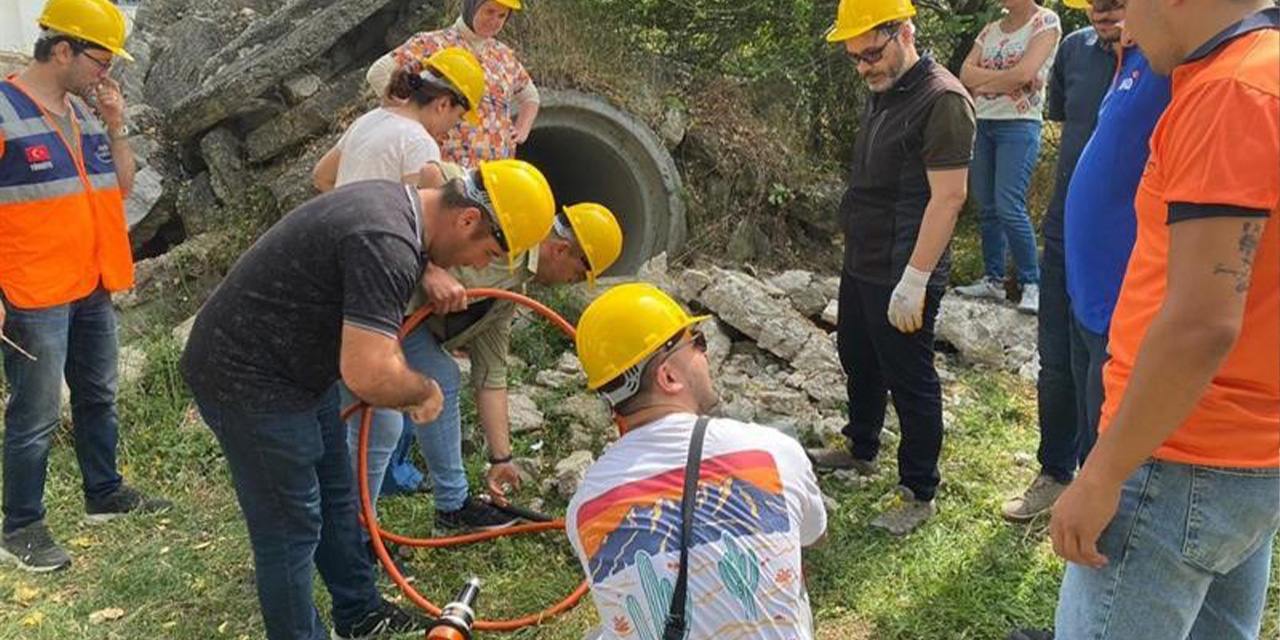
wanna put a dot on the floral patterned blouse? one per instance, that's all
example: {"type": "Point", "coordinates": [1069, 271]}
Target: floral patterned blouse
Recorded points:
{"type": "Point", "coordinates": [998, 51]}
{"type": "Point", "coordinates": [508, 85]}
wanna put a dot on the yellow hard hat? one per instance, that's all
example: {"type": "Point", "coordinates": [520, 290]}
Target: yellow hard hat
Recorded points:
{"type": "Point", "coordinates": [513, 5]}
{"type": "Point", "coordinates": [622, 328]}
{"type": "Point", "coordinates": [598, 233]}
{"type": "Point", "coordinates": [465, 77]}
{"type": "Point", "coordinates": [1076, 4]}
{"type": "Point", "coordinates": [522, 203]}
{"type": "Point", "coordinates": [96, 21]}
{"type": "Point", "coordinates": [856, 17]}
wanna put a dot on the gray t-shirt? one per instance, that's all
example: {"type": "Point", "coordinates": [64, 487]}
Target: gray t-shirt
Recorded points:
{"type": "Point", "coordinates": [270, 337]}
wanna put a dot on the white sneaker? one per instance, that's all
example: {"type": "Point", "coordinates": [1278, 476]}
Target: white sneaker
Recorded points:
{"type": "Point", "coordinates": [1030, 299]}
{"type": "Point", "coordinates": [984, 288]}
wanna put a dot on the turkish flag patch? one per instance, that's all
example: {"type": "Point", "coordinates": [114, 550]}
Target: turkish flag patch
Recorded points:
{"type": "Point", "coordinates": [38, 153]}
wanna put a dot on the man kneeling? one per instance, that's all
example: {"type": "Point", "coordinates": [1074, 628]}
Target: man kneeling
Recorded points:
{"type": "Point", "coordinates": [757, 500]}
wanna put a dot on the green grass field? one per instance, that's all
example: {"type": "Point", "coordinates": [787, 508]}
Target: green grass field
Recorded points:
{"type": "Point", "coordinates": [187, 575]}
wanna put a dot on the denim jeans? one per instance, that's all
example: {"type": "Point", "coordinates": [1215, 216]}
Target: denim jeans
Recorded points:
{"type": "Point", "coordinates": [439, 441]}
{"type": "Point", "coordinates": [880, 361]}
{"type": "Point", "coordinates": [1189, 553]}
{"type": "Point", "coordinates": [77, 340]}
{"type": "Point", "coordinates": [1088, 357]}
{"type": "Point", "coordinates": [292, 476]}
{"type": "Point", "coordinates": [1004, 156]}
{"type": "Point", "coordinates": [1055, 385]}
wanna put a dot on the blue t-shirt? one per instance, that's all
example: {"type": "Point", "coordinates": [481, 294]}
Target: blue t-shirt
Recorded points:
{"type": "Point", "coordinates": [1100, 223]}
{"type": "Point", "coordinates": [1082, 72]}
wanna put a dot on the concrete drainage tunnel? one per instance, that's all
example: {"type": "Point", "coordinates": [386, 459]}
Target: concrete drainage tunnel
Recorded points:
{"type": "Point", "coordinates": [590, 151]}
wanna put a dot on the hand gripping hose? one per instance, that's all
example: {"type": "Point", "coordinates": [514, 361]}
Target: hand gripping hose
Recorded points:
{"type": "Point", "coordinates": [370, 517]}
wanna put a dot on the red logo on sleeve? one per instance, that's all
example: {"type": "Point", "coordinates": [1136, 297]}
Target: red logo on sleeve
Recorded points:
{"type": "Point", "coordinates": [38, 153]}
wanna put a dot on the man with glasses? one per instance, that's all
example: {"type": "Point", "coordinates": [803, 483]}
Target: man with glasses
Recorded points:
{"type": "Point", "coordinates": [1083, 69]}
{"type": "Point", "coordinates": [65, 169]}
{"type": "Point", "coordinates": [907, 185]}
{"type": "Point", "coordinates": [757, 503]}
{"type": "Point", "coordinates": [321, 296]}
{"type": "Point", "coordinates": [585, 241]}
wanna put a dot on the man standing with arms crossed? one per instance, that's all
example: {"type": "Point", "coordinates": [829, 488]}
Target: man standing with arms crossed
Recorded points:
{"type": "Point", "coordinates": [64, 247]}
{"type": "Point", "coordinates": [908, 183]}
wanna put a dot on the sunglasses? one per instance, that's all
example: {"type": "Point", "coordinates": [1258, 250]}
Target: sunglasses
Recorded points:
{"type": "Point", "coordinates": [873, 55]}
{"type": "Point", "coordinates": [697, 340]}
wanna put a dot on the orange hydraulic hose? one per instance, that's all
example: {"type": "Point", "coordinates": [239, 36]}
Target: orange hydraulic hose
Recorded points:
{"type": "Point", "coordinates": [370, 517]}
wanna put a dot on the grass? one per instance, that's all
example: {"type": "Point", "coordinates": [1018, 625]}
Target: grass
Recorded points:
{"type": "Point", "coordinates": [188, 574]}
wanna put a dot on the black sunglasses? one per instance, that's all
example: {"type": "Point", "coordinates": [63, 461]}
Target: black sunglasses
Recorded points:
{"type": "Point", "coordinates": [875, 54]}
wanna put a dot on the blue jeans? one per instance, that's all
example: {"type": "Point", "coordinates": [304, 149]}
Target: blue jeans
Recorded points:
{"type": "Point", "coordinates": [1004, 156]}
{"type": "Point", "coordinates": [292, 476]}
{"type": "Point", "coordinates": [77, 339]}
{"type": "Point", "coordinates": [439, 441]}
{"type": "Point", "coordinates": [1189, 553]}
{"type": "Point", "coordinates": [1055, 386]}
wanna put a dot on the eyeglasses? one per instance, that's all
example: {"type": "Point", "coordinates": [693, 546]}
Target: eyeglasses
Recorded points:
{"type": "Point", "coordinates": [104, 65]}
{"type": "Point", "coordinates": [498, 235]}
{"type": "Point", "coordinates": [874, 54]}
{"type": "Point", "coordinates": [697, 340]}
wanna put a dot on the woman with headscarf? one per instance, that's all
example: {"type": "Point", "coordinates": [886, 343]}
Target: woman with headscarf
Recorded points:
{"type": "Point", "coordinates": [510, 101]}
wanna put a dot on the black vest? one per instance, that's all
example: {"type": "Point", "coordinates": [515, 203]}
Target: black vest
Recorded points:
{"type": "Point", "coordinates": [888, 189]}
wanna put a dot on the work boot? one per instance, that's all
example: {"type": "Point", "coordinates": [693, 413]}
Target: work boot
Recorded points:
{"type": "Point", "coordinates": [837, 458]}
{"type": "Point", "coordinates": [385, 621]}
{"type": "Point", "coordinates": [905, 513]}
{"type": "Point", "coordinates": [33, 549]}
{"type": "Point", "coordinates": [986, 288]}
{"type": "Point", "coordinates": [1037, 499]}
{"type": "Point", "coordinates": [125, 499]}
{"type": "Point", "coordinates": [475, 515]}
{"type": "Point", "coordinates": [1031, 634]}
{"type": "Point", "coordinates": [1030, 303]}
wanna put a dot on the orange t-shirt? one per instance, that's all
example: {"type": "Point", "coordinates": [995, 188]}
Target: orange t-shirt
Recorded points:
{"type": "Point", "coordinates": [1218, 143]}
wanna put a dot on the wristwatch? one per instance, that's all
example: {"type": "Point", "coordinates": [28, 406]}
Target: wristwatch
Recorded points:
{"type": "Point", "coordinates": [121, 134]}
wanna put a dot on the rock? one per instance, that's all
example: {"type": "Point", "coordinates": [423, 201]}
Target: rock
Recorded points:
{"type": "Point", "coordinates": [299, 88]}
{"type": "Point", "coordinates": [747, 242]}
{"type": "Point", "coordinates": [818, 371]}
{"type": "Point", "coordinates": [294, 35]}
{"type": "Point", "coordinates": [182, 332]}
{"type": "Point", "coordinates": [831, 313]}
{"type": "Point", "coordinates": [313, 115]}
{"type": "Point", "coordinates": [656, 272]}
{"type": "Point", "coordinates": [586, 409]}
{"type": "Point", "coordinates": [523, 413]}
{"type": "Point", "coordinates": [799, 288]}
{"type": "Point", "coordinates": [223, 154]}
{"type": "Point", "coordinates": [527, 470]}
{"type": "Point", "coordinates": [718, 344]}
{"type": "Point", "coordinates": [133, 76]}
{"type": "Point", "coordinates": [570, 472]}
{"type": "Point", "coordinates": [988, 333]}
{"type": "Point", "coordinates": [738, 408]}
{"type": "Point", "coordinates": [828, 428]}
{"type": "Point", "coordinates": [144, 148]}
{"type": "Point", "coordinates": [674, 126]}
{"type": "Point", "coordinates": [166, 279]}
{"type": "Point", "coordinates": [198, 204]}
{"type": "Point", "coordinates": [291, 185]}
{"type": "Point", "coordinates": [580, 437]}
{"type": "Point", "coordinates": [569, 363]}
{"type": "Point", "coordinates": [830, 503]}
{"type": "Point", "coordinates": [1023, 458]}
{"type": "Point", "coordinates": [1030, 371]}
{"type": "Point", "coordinates": [691, 283]}
{"type": "Point", "coordinates": [148, 188]}
{"type": "Point", "coordinates": [740, 301]}
{"type": "Point", "coordinates": [828, 286]}
{"type": "Point", "coordinates": [178, 58]}
{"type": "Point", "coordinates": [552, 379]}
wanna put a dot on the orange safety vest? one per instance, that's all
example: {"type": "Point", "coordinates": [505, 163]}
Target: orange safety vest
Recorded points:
{"type": "Point", "coordinates": [62, 223]}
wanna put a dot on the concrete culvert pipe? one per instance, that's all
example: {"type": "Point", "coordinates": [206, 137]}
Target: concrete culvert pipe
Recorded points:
{"type": "Point", "coordinates": [590, 151]}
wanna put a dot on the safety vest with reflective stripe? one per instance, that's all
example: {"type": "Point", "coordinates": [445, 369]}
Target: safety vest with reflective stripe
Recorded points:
{"type": "Point", "coordinates": [62, 223]}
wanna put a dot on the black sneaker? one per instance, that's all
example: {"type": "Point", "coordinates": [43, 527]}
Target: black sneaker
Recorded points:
{"type": "Point", "coordinates": [475, 515]}
{"type": "Point", "coordinates": [386, 620]}
{"type": "Point", "coordinates": [1031, 634]}
{"type": "Point", "coordinates": [124, 499]}
{"type": "Point", "coordinates": [33, 549]}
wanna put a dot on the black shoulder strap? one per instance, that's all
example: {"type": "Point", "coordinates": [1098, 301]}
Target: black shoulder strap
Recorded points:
{"type": "Point", "coordinates": [677, 623]}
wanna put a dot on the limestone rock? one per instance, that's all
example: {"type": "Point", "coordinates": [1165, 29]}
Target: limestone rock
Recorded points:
{"type": "Point", "coordinates": [570, 472]}
{"type": "Point", "coordinates": [313, 115]}
{"type": "Point", "coordinates": [741, 301]}
{"type": "Point", "coordinates": [148, 188]}
{"type": "Point", "coordinates": [586, 409]}
{"type": "Point", "coordinates": [198, 204]}
{"type": "Point", "coordinates": [182, 332]}
{"type": "Point", "coordinates": [987, 333]}
{"type": "Point", "coordinates": [691, 283]}
{"type": "Point", "coordinates": [718, 344]}
{"type": "Point", "coordinates": [299, 88]}
{"type": "Point", "coordinates": [801, 290]}
{"type": "Point", "coordinates": [223, 153]}
{"type": "Point", "coordinates": [831, 313]}
{"type": "Point", "coordinates": [178, 61]}
{"type": "Point", "coordinates": [523, 413]}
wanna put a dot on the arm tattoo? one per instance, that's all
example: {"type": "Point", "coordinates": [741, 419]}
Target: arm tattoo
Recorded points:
{"type": "Point", "coordinates": [1250, 236]}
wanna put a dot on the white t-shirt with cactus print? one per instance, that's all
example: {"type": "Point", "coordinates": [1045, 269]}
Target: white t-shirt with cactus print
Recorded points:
{"type": "Point", "coordinates": [758, 504]}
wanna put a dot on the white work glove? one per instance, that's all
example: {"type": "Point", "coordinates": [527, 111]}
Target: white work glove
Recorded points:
{"type": "Point", "coordinates": [906, 304]}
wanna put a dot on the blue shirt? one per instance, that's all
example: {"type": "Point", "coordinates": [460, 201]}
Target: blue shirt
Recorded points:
{"type": "Point", "coordinates": [1100, 220]}
{"type": "Point", "coordinates": [1082, 72]}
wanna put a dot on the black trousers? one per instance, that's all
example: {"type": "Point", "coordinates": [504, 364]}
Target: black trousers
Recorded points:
{"type": "Point", "coordinates": [879, 360]}
{"type": "Point", "coordinates": [1057, 396]}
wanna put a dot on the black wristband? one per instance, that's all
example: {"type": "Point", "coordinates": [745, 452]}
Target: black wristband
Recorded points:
{"type": "Point", "coordinates": [503, 460]}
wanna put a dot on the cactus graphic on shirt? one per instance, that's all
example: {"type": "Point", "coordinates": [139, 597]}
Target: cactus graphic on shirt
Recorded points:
{"type": "Point", "coordinates": [740, 571]}
{"type": "Point", "coordinates": [657, 595]}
